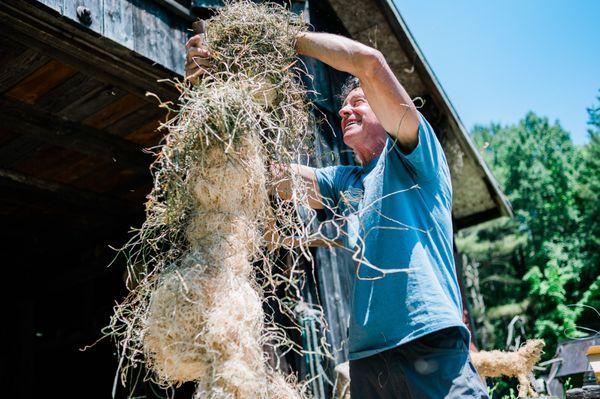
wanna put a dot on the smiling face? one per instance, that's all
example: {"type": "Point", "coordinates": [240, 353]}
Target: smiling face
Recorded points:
{"type": "Point", "coordinates": [360, 126]}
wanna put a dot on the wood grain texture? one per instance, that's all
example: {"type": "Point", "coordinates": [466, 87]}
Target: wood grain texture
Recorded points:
{"type": "Point", "coordinates": [92, 101]}
{"type": "Point", "coordinates": [134, 120]}
{"type": "Point", "coordinates": [44, 79]}
{"type": "Point", "coordinates": [56, 164]}
{"type": "Point", "coordinates": [118, 22]}
{"type": "Point", "coordinates": [33, 26]}
{"type": "Point", "coordinates": [96, 8]}
{"type": "Point", "coordinates": [16, 65]}
{"type": "Point", "coordinates": [56, 5]}
{"type": "Point", "coordinates": [17, 149]}
{"type": "Point", "coordinates": [114, 111]}
{"type": "Point", "coordinates": [106, 178]}
{"type": "Point", "coordinates": [71, 91]}
{"type": "Point", "coordinates": [147, 135]}
{"type": "Point", "coordinates": [43, 126]}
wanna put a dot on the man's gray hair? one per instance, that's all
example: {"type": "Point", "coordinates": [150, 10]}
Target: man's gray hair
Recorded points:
{"type": "Point", "coordinates": [350, 84]}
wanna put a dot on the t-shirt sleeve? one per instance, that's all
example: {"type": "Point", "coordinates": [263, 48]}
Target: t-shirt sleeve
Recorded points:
{"type": "Point", "coordinates": [427, 159]}
{"type": "Point", "coordinates": [327, 179]}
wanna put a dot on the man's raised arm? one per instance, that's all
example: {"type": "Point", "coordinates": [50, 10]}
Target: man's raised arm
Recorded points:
{"type": "Point", "coordinates": [390, 102]}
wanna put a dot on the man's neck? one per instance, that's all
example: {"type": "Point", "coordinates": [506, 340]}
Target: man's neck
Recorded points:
{"type": "Point", "coordinates": [369, 151]}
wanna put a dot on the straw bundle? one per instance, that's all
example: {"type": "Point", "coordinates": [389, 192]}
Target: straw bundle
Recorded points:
{"type": "Point", "coordinates": [196, 313]}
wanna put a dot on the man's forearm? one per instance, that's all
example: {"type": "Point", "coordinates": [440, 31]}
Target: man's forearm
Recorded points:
{"type": "Point", "coordinates": [282, 185]}
{"type": "Point", "coordinates": [339, 52]}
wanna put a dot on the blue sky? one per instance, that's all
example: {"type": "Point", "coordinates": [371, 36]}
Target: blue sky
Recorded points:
{"type": "Point", "coordinates": [497, 60]}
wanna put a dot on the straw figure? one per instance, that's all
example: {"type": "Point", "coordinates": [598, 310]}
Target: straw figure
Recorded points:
{"type": "Point", "coordinates": [511, 364]}
{"type": "Point", "coordinates": [196, 313]}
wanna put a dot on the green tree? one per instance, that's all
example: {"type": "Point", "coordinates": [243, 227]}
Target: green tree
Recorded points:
{"type": "Point", "coordinates": [534, 263]}
{"type": "Point", "coordinates": [588, 204]}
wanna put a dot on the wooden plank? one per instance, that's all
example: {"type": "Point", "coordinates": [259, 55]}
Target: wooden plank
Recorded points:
{"type": "Point", "coordinates": [178, 53]}
{"type": "Point", "coordinates": [165, 38]}
{"type": "Point", "coordinates": [118, 22]}
{"type": "Point", "coordinates": [92, 102]}
{"type": "Point", "coordinates": [434, 88]}
{"type": "Point", "coordinates": [68, 194]}
{"type": "Point", "coordinates": [146, 135]}
{"type": "Point", "coordinates": [56, 164]}
{"type": "Point", "coordinates": [115, 111]}
{"type": "Point", "coordinates": [31, 24]}
{"type": "Point", "coordinates": [134, 120]}
{"type": "Point", "coordinates": [476, 218]}
{"type": "Point", "coordinates": [56, 5]}
{"type": "Point", "coordinates": [18, 148]}
{"type": "Point", "coordinates": [9, 48]}
{"type": "Point", "coordinates": [43, 126]}
{"type": "Point", "coordinates": [159, 36]}
{"type": "Point", "coordinates": [16, 67]}
{"type": "Point", "coordinates": [73, 90]}
{"type": "Point", "coordinates": [145, 33]}
{"type": "Point", "coordinates": [45, 78]}
{"type": "Point", "coordinates": [96, 13]}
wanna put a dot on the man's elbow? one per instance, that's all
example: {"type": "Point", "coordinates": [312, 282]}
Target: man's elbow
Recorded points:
{"type": "Point", "coordinates": [371, 63]}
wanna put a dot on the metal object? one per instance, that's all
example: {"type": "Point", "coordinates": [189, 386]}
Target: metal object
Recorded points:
{"type": "Point", "coordinates": [84, 15]}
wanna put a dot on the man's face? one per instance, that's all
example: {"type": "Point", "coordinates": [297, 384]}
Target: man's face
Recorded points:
{"type": "Point", "coordinates": [359, 123]}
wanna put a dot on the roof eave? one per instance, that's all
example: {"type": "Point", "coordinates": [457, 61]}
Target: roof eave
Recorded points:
{"type": "Point", "coordinates": [411, 47]}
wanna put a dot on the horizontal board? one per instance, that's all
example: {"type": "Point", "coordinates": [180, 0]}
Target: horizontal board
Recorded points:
{"type": "Point", "coordinates": [38, 83]}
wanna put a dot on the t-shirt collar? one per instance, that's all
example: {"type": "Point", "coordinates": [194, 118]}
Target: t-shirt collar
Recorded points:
{"type": "Point", "coordinates": [369, 166]}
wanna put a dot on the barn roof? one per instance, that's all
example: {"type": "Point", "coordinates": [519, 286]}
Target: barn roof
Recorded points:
{"type": "Point", "coordinates": [76, 116]}
{"type": "Point", "coordinates": [477, 196]}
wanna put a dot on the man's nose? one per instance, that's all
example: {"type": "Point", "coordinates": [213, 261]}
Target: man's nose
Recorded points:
{"type": "Point", "coordinates": [345, 111]}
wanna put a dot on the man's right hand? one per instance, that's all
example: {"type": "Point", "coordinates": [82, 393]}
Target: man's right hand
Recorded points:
{"type": "Point", "coordinates": [197, 61]}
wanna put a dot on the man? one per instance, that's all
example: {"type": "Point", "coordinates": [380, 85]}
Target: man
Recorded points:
{"type": "Point", "coordinates": [406, 335]}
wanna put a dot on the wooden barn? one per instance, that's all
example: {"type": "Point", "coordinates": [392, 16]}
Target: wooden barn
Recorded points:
{"type": "Point", "coordinates": [73, 174]}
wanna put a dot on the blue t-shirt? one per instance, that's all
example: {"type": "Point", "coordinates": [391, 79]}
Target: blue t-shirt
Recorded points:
{"type": "Point", "coordinates": [396, 212]}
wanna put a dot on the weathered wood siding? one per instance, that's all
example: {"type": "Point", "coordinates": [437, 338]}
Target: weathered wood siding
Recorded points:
{"type": "Point", "coordinates": [142, 26]}
{"type": "Point", "coordinates": [334, 267]}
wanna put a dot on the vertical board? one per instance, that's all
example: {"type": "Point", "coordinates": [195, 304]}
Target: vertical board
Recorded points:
{"type": "Point", "coordinates": [96, 12]}
{"type": "Point", "coordinates": [158, 35]}
{"type": "Point", "coordinates": [118, 22]}
{"type": "Point", "coordinates": [139, 25]}
{"type": "Point", "coordinates": [56, 5]}
{"type": "Point", "coordinates": [164, 36]}
{"type": "Point", "coordinates": [144, 29]}
{"type": "Point", "coordinates": [178, 51]}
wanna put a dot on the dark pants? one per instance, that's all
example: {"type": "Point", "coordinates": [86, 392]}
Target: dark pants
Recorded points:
{"type": "Point", "coordinates": [434, 366]}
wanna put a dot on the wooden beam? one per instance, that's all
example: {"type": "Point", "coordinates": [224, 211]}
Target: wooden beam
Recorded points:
{"type": "Point", "coordinates": [477, 218]}
{"type": "Point", "coordinates": [17, 63]}
{"type": "Point", "coordinates": [44, 126]}
{"type": "Point", "coordinates": [43, 189]}
{"type": "Point", "coordinates": [431, 83]}
{"type": "Point", "coordinates": [36, 26]}
{"type": "Point", "coordinates": [41, 81]}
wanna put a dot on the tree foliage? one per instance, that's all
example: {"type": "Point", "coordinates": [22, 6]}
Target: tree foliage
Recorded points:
{"type": "Point", "coordinates": [546, 259]}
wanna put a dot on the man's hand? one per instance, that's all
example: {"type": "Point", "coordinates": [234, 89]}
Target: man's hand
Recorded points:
{"type": "Point", "coordinates": [197, 61]}
{"type": "Point", "coordinates": [282, 182]}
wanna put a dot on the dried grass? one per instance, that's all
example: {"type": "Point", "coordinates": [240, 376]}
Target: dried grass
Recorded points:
{"type": "Point", "coordinates": [196, 311]}
{"type": "Point", "coordinates": [517, 364]}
